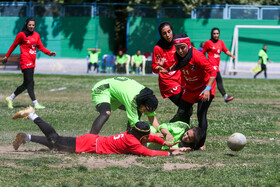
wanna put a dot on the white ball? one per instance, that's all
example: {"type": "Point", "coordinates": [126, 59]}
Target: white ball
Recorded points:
{"type": "Point", "coordinates": [236, 141]}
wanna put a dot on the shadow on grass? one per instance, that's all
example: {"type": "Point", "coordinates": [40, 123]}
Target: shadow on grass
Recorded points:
{"type": "Point", "coordinates": [231, 155]}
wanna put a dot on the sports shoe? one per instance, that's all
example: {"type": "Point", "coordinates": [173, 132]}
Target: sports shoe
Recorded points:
{"type": "Point", "coordinates": [24, 113]}
{"type": "Point", "coordinates": [229, 98]}
{"type": "Point", "coordinates": [39, 106]}
{"type": "Point", "coordinates": [9, 102]}
{"type": "Point", "coordinates": [20, 139]}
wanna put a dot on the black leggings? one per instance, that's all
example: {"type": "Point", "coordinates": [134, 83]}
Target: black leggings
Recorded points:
{"type": "Point", "coordinates": [263, 66]}
{"type": "Point", "coordinates": [28, 83]}
{"type": "Point", "coordinates": [52, 139]}
{"type": "Point", "coordinates": [185, 111]}
{"type": "Point", "coordinates": [176, 98]}
{"type": "Point", "coordinates": [98, 123]}
{"type": "Point", "coordinates": [95, 65]}
{"type": "Point", "coordinates": [220, 86]}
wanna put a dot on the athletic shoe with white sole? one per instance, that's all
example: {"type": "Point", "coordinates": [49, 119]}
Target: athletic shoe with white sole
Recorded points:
{"type": "Point", "coordinates": [24, 113]}
{"type": "Point", "coordinates": [39, 106]}
{"type": "Point", "coordinates": [20, 139]}
{"type": "Point", "coordinates": [9, 102]}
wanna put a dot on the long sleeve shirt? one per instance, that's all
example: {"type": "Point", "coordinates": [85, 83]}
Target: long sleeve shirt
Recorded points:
{"type": "Point", "coordinates": [169, 80]}
{"type": "Point", "coordinates": [28, 47]}
{"type": "Point", "coordinates": [122, 143]}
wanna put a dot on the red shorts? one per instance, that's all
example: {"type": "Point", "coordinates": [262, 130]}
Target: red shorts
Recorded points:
{"type": "Point", "coordinates": [86, 143]}
{"type": "Point", "coordinates": [194, 96]}
{"type": "Point", "coordinates": [173, 91]}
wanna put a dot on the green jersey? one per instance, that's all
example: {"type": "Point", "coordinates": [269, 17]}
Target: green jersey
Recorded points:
{"type": "Point", "coordinates": [93, 57]}
{"type": "Point", "coordinates": [123, 59]}
{"type": "Point", "coordinates": [263, 55]}
{"type": "Point", "coordinates": [137, 59]}
{"type": "Point", "coordinates": [177, 129]}
{"type": "Point", "coordinates": [119, 91]}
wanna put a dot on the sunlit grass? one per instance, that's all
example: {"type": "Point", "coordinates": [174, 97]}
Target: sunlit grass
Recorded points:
{"type": "Point", "coordinates": [255, 112]}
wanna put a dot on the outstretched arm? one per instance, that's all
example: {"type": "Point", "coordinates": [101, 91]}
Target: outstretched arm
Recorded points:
{"type": "Point", "coordinates": [12, 48]}
{"type": "Point", "coordinates": [43, 49]}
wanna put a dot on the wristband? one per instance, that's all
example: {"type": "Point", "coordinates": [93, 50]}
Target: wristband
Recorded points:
{"type": "Point", "coordinates": [208, 88]}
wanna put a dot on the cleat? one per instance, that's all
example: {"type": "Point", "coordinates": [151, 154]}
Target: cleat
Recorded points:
{"type": "Point", "coordinates": [20, 139]}
{"type": "Point", "coordinates": [39, 106]}
{"type": "Point", "coordinates": [9, 102]}
{"type": "Point", "coordinates": [228, 99]}
{"type": "Point", "coordinates": [24, 113]}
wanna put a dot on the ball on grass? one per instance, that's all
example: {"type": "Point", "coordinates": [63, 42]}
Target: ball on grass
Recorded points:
{"type": "Point", "coordinates": [236, 141]}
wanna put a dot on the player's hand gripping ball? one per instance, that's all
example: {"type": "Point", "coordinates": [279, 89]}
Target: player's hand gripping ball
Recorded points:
{"type": "Point", "coordinates": [236, 141]}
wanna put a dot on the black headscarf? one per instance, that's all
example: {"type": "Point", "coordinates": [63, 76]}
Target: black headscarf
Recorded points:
{"type": "Point", "coordinates": [212, 39]}
{"type": "Point", "coordinates": [139, 130]}
{"type": "Point", "coordinates": [183, 61]}
{"type": "Point", "coordinates": [147, 98]}
{"type": "Point", "coordinates": [25, 29]}
{"type": "Point", "coordinates": [162, 42]}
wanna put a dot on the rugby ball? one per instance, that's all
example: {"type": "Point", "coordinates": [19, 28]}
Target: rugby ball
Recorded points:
{"type": "Point", "coordinates": [236, 141]}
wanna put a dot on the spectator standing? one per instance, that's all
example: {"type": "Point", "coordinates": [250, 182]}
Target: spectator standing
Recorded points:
{"type": "Point", "coordinates": [263, 58]}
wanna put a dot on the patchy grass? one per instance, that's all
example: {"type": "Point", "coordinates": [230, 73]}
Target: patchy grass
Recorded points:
{"type": "Point", "coordinates": [254, 112]}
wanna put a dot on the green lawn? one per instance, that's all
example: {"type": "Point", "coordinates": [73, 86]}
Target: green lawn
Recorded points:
{"type": "Point", "coordinates": [255, 112]}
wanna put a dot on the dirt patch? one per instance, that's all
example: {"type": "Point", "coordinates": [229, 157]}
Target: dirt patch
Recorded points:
{"type": "Point", "coordinates": [103, 163]}
{"type": "Point", "coordinates": [172, 166]}
{"type": "Point", "coordinates": [91, 162]}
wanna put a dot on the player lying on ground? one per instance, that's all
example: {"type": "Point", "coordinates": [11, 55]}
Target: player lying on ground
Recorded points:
{"type": "Point", "coordinates": [124, 143]}
{"type": "Point", "coordinates": [126, 94]}
{"type": "Point", "coordinates": [180, 132]}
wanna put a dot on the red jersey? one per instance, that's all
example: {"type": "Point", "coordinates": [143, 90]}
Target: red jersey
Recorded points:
{"type": "Point", "coordinates": [169, 83]}
{"type": "Point", "coordinates": [28, 47]}
{"type": "Point", "coordinates": [214, 51]}
{"type": "Point", "coordinates": [195, 76]}
{"type": "Point", "coordinates": [118, 144]}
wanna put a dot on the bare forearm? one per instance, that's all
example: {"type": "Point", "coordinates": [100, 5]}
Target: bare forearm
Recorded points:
{"type": "Point", "coordinates": [153, 120]}
{"type": "Point", "coordinates": [229, 54]}
{"type": "Point", "coordinates": [211, 81]}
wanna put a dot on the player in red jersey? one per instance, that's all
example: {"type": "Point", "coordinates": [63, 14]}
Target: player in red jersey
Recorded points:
{"type": "Point", "coordinates": [198, 76]}
{"type": "Point", "coordinates": [124, 143]}
{"type": "Point", "coordinates": [213, 48]}
{"type": "Point", "coordinates": [169, 83]}
{"type": "Point", "coordinates": [28, 40]}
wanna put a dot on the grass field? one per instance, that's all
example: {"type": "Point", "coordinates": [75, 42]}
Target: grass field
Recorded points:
{"type": "Point", "coordinates": [255, 112]}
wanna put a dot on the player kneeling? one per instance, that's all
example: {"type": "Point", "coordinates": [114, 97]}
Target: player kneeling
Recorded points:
{"type": "Point", "coordinates": [129, 142]}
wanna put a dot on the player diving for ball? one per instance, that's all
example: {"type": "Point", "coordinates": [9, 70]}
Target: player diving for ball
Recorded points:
{"type": "Point", "coordinates": [129, 142]}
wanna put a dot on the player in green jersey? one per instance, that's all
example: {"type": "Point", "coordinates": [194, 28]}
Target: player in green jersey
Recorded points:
{"type": "Point", "coordinates": [123, 93]}
{"type": "Point", "coordinates": [180, 131]}
{"type": "Point", "coordinates": [263, 58]}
